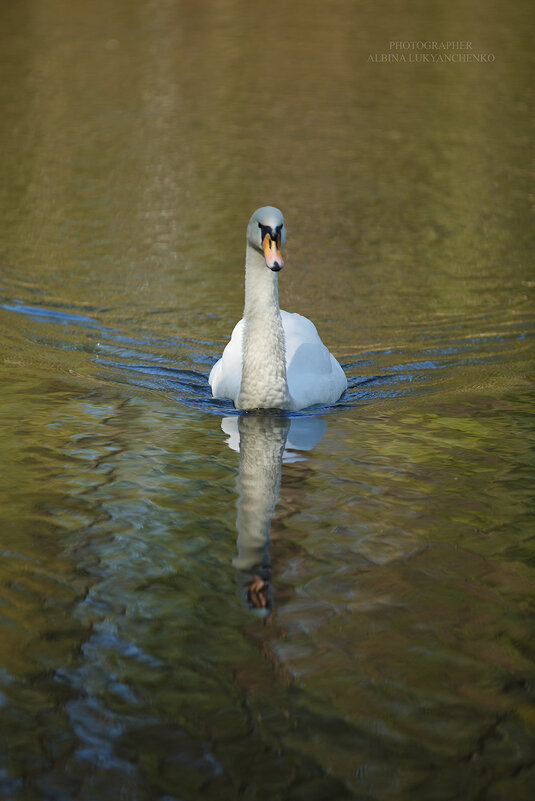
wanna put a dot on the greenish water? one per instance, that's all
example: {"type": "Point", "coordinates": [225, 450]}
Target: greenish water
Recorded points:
{"type": "Point", "coordinates": [157, 643]}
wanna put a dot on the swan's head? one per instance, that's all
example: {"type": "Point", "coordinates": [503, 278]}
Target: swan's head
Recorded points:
{"type": "Point", "coordinates": [266, 233]}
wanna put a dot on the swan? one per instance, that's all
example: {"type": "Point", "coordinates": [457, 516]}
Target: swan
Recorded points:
{"type": "Point", "coordinates": [275, 359]}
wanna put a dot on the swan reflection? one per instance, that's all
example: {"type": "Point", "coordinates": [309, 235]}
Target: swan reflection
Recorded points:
{"type": "Point", "coordinates": [264, 441]}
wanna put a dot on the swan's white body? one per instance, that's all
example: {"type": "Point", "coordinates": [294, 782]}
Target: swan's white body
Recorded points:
{"type": "Point", "coordinates": [274, 360]}
{"type": "Point", "coordinates": [313, 374]}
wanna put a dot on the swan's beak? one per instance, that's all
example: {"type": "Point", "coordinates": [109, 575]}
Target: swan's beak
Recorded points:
{"type": "Point", "coordinates": [272, 253]}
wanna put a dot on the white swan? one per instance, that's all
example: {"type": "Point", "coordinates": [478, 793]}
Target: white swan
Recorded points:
{"type": "Point", "coordinates": [274, 360]}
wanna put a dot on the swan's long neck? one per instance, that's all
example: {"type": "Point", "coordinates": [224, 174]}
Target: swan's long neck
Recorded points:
{"type": "Point", "coordinates": [263, 383]}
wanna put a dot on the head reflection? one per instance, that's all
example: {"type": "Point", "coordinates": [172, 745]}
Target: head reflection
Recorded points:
{"type": "Point", "coordinates": [264, 440]}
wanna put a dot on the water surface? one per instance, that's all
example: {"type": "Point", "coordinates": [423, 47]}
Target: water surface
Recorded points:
{"type": "Point", "coordinates": [336, 604]}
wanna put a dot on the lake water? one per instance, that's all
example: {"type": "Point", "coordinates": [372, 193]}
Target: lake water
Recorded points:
{"type": "Point", "coordinates": [335, 604]}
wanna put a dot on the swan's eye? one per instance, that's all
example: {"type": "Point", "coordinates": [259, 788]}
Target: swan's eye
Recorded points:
{"type": "Point", "coordinates": [265, 230]}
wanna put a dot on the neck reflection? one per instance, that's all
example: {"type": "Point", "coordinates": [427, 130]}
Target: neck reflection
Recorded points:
{"type": "Point", "coordinates": [264, 440]}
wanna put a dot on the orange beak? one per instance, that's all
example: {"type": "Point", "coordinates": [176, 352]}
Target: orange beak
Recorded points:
{"type": "Point", "coordinates": [272, 253]}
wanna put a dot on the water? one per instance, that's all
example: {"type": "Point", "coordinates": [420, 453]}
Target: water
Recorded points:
{"type": "Point", "coordinates": [326, 605]}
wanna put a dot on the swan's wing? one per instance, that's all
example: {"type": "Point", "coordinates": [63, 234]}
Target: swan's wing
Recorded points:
{"type": "Point", "coordinates": [225, 375]}
{"type": "Point", "coordinates": [297, 329]}
{"type": "Point", "coordinates": [314, 375]}
{"type": "Point", "coordinates": [305, 352]}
